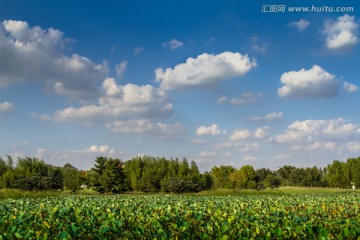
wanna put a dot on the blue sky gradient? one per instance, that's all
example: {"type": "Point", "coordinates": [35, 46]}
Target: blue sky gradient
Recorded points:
{"type": "Point", "coordinates": [217, 82]}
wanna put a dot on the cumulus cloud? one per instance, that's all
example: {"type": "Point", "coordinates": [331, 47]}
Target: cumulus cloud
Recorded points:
{"type": "Point", "coordinates": [210, 130]}
{"type": "Point", "coordinates": [204, 71]}
{"type": "Point", "coordinates": [350, 87]}
{"type": "Point", "coordinates": [338, 129]}
{"type": "Point", "coordinates": [34, 54]}
{"type": "Point", "coordinates": [173, 44]}
{"type": "Point", "coordinates": [120, 69]}
{"type": "Point", "coordinates": [301, 25]}
{"type": "Point", "coordinates": [160, 130]}
{"type": "Point", "coordinates": [261, 132]}
{"type": "Point", "coordinates": [322, 146]}
{"type": "Point", "coordinates": [6, 108]}
{"type": "Point", "coordinates": [242, 134]}
{"type": "Point", "coordinates": [341, 34]}
{"type": "Point", "coordinates": [125, 109]}
{"type": "Point", "coordinates": [353, 146]}
{"type": "Point", "coordinates": [315, 82]}
{"type": "Point", "coordinates": [120, 102]}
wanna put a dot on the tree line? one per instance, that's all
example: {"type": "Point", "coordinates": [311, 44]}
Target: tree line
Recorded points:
{"type": "Point", "coordinates": [158, 174]}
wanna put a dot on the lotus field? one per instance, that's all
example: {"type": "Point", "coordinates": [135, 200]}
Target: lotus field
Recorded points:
{"type": "Point", "coordinates": [323, 216]}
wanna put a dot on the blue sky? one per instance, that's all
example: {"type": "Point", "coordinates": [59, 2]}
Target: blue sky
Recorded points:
{"type": "Point", "coordinates": [217, 82]}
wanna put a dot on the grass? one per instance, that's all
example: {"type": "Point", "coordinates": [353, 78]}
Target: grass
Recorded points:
{"type": "Point", "coordinates": [16, 194]}
{"type": "Point", "coordinates": [311, 190]}
{"type": "Point", "coordinates": [278, 191]}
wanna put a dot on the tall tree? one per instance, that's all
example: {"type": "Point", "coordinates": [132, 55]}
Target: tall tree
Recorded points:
{"type": "Point", "coordinates": [220, 176]}
{"type": "Point", "coordinates": [244, 177]}
{"type": "Point", "coordinates": [108, 175]}
{"type": "Point", "coordinates": [336, 175]}
{"type": "Point", "coordinates": [72, 177]}
{"type": "Point", "coordinates": [285, 172]}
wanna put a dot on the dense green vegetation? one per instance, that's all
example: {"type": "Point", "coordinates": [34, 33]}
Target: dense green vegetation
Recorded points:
{"type": "Point", "coordinates": [323, 216]}
{"type": "Point", "coordinates": [153, 174]}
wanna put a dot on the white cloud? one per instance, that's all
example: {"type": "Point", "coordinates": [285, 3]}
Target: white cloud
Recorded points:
{"type": "Point", "coordinates": [6, 108]}
{"type": "Point", "coordinates": [301, 25]}
{"type": "Point", "coordinates": [352, 146]}
{"type": "Point", "coordinates": [158, 129]}
{"type": "Point", "coordinates": [210, 130]}
{"type": "Point", "coordinates": [311, 131]}
{"type": "Point", "coordinates": [207, 154]}
{"type": "Point", "coordinates": [261, 132]}
{"type": "Point", "coordinates": [104, 149]}
{"type": "Point", "coordinates": [120, 69]}
{"type": "Point", "coordinates": [173, 44]}
{"type": "Point", "coordinates": [242, 134]}
{"type": "Point", "coordinates": [322, 146]}
{"type": "Point", "coordinates": [268, 117]}
{"type": "Point", "coordinates": [222, 100]}
{"type": "Point", "coordinates": [350, 87]}
{"type": "Point", "coordinates": [204, 71]}
{"type": "Point", "coordinates": [315, 82]}
{"type": "Point", "coordinates": [120, 102]}
{"type": "Point", "coordinates": [341, 34]}
{"type": "Point", "coordinates": [74, 75]}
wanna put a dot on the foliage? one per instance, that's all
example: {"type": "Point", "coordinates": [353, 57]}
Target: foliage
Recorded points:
{"type": "Point", "coordinates": [221, 176]}
{"type": "Point", "coordinates": [244, 177]}
{"type": "Point", "coordinates": [108, 175]}
{"type": "Point", "coordinates": [150, 174]}
{"type": "Point", "coordinates": [272, 181]}
{"type": "Point", "coordinates": [175, 185]}
{"type": "Point", "coordinates": [71, 178]}
{"type": "Point", "coordinates": [332, 216]}
{"type": "Point", "coordinates": [30, 174]}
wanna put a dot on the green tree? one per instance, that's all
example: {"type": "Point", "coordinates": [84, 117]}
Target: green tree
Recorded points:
{"type": "Point", "coordinates": [262, 173]}
{"type": "Point", "coordinates": [285, 173]}
{"type": "Point", "coordinates": [297, 176]}
{"type": "Point", "coordinates": [108, 175]}
{"type": "Point", "coordinates": [312, 177]}
{"type": "Point", "coordinates": [272, 181]}
{"type": "Point", "coordinates": [336, 175]}
{"type": "Point", "coordinates": [244, 177]}
{"type": "Point", "coordinates": [220, 176]}
{"type": "Point", "coordinates": [71, 176]}
{"type": "Point", "coordinates": [353, 170]}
